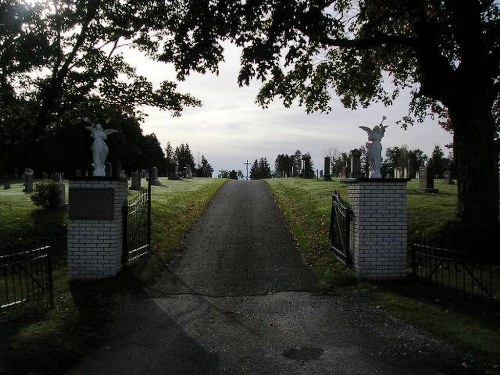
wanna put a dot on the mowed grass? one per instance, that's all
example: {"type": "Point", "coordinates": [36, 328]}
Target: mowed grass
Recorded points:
{"type": "Point", "coordinates": [473, 327]}
{"type": "Point", "coordinates": [51, 341]}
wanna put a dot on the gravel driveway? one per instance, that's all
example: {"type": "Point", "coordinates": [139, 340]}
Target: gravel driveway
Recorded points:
{"type": "Point", "coordinates": [239, 300]}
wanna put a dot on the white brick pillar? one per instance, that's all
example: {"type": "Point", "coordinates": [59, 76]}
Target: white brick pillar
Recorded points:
{"type": "Point", "coordinates": [95, 227]}
{"type": "Point", "coordinates": [379, 227]}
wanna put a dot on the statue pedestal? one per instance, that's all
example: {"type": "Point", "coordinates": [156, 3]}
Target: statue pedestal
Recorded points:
{"type": "Point", "coordinates": [95, 228]}
{"type": "Point", "coordinates": [379, 233]}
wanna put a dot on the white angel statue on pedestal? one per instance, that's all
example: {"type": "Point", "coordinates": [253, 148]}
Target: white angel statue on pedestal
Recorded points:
{"type": "Point", "coordinates": [374, 152]}
{"type": "Point", "coordinates": [99, 147]}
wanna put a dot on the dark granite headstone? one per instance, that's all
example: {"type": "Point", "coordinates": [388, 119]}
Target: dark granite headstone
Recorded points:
{"type": "Point", "coordinates": [426, 180]}
{"type": "Point", "coordinates": [447, 178]}
{"type": "Point", "coordinates": [327, 166]}
{"type": "Point", "coordinates": [356, 164]}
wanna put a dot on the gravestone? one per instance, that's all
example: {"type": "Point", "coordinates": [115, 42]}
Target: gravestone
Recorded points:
{"type": "Point", "coordinates": [78, 173]}
{"type": "Point", "coordinates": [356, 164]}
{"type": "Point", "coordinates": [28, 181]}
{"type": "Point", "coordinates": [57, 176]}
{"type": "Point", "coordinates": [189, 174]}
{"type": "Point", "coordinates": [398, 172]}
{"type": "Point", "coordinates": [447, 178]}
{"type": "Point", "coordinates": [154, 177]}
{"type": "Point", "coordinates": [411, 170]}
{"type": "Point", "coordinates": [61, 195]}
{"type": "Point", "coordinates": [5, 182]}
{"type": "Point", "coordinates": [327, 175]}
{"type": "Point", "coordinates": [343, 173]}
{"type": "Point", "coordinates": [174, 175]}
{"type": "Point", "coordinates": [108, 169]}
{"type": "Point", "coordinates": [426, 180]}
{"type": "Point", "coordinates": [136, 181]}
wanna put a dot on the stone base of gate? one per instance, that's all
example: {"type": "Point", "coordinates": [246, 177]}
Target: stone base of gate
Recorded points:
{"type": "Point", "coordinates": [379, 227]}
{"type": "Point", "coordinates": [95, 227]}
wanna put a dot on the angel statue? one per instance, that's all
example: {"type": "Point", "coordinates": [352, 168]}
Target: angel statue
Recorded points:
{"type": "Point", "coordinates": [99, 147]}
{"type": "Point", "coordinates": [374, 149]}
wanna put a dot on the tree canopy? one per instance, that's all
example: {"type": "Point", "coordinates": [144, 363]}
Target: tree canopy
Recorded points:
{"type": "Point", "coordinates": [56, 56]}
{"type": "Point", "coordinates": [447, 53]}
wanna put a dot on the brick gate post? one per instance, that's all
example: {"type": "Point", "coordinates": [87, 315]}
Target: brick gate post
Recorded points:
{"type": "Point", "coordinates": [95, 227]}
{"type": "Point", "coordinates": [379, 227]}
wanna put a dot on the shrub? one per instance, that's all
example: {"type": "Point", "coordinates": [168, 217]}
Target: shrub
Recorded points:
{"type": "Point", "coordinates": [46, 195]}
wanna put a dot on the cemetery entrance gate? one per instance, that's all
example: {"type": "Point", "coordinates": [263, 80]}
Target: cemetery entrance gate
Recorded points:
{"type": "Point", "coordinates": [340, 226]}
{"type": "Point", "coordinates": [137, 225]}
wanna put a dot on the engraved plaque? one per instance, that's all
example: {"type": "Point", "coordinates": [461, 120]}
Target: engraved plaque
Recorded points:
{"type": "Point", "coordinates": [91, 204]}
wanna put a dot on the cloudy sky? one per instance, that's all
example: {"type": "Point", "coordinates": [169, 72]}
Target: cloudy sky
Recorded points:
{"type": "Point", "coordinates": [230, 128]}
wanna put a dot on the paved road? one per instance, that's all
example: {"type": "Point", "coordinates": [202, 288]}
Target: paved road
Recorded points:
{"type": "Point", "coordinates": [240, 301]}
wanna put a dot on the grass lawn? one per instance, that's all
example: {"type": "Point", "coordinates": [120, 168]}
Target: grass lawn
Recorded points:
{"type": "Point", "coordinates": [48, 342]}
{"type": "Point", "coordinates": [472, 327]}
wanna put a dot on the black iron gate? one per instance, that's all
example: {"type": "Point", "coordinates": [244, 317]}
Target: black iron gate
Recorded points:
{"type": "Point", "coordinates": [137, 226]}
{"type": "Point", "coordinates": [340, 225]}
{"type": "Point", "coordinates": [26, 277]}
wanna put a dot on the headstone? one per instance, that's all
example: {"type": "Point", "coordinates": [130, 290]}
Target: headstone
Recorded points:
{"type": "Point", "coordinates": [398, 172]}
{"type": "Point", "coordinates": [154, 177]}
{"type": "Point", "coordinates": [123, 175]}
{"type": "Point", "coordinates": [411, 169]}
{"type": "Point", "coordinates": [426, 180]}
{"type": "Point", "coordinates": [189, 174]}
{"type": "Point", "coordinates": [174, 175]}
{"type": "Point", "coordinates": [78, 173]}
{"type": "Point", "coordinates": [327, 174]}
{"type": "Point", "coordinates": [447, 178]}
{"type": "Point", "coordinates": [108, 169]}
{"type": "Point", "coordinates": [5, 182]}
{"type": "Point", "coordinates": [321, 173]}
{"type": "Point", "coordinates": [28, 181]}
{"type": "Point", "coordinates": [136, 181]}
{"type": "Point", "coordinates": [356, 164]}
{"type": "Point", "coordinates": [57, 176]}
{"type": "Point", "coordinates": [61, 195]}
{"type": "Point", "coordinates": [344, 172]}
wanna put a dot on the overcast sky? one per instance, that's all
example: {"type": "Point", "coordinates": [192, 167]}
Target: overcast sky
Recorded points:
{"type": "Point", "coordinates": [230, 128]}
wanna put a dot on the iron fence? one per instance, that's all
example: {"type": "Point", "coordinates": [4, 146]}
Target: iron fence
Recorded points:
{"type": "Point", "coordinates": [469, 274]}
{"type": "Point", "coordinates": [340, 226]}
{"type": "Point", "coordinates": [26, 277]}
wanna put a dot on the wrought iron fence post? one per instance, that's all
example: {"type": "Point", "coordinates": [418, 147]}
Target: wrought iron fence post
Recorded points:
{"type": "Point", "coordinates": [148, 235]}
{"type": "Point", "coordinates": [50, 279]}
{"type": "Point", "coordinates": [125, 234]}
{"type": "Point", "coordinates": [413, 260]}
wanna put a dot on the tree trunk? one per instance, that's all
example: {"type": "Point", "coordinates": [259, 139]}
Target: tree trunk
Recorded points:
{"type": "Point", "coordinates": [476, 158]}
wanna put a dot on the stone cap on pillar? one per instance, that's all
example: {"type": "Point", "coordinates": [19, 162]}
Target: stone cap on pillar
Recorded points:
{"type": "Point", "coordinates": [96, 178]}
{"type": "Point", "coordinates": [365, 179]}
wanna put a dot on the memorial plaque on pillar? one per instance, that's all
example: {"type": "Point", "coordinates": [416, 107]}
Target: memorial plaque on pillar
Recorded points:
{"type": "Point", "coordinates": [91, 204]}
